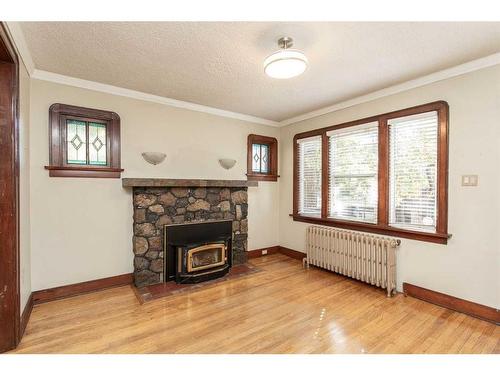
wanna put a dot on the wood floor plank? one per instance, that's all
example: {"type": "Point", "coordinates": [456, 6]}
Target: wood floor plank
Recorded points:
{"type": "Point", "coordinates": [282, 309]}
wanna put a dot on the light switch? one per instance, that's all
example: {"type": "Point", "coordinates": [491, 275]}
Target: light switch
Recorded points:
{"type": "Point", "coordinates": [469, 180]}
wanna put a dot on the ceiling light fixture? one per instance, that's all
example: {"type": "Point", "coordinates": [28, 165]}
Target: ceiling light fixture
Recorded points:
{"type": "Point", "coordinates": [285, 63]}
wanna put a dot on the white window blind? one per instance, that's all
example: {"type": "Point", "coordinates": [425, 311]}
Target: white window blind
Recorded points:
{"type": "Point", "coordinates": [309, 150]}
{"type": "Point", "coordinates": [353, 183]}
{"type": "Point", "coordinates": [413, 144]}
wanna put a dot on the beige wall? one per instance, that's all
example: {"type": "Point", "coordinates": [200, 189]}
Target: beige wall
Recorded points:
{"type": "Point", "coordinates": [82, 228]}
{"type": "Point", "coordinates": [469, 266]}
{"type": "Point", "coordinates": [24, 186]}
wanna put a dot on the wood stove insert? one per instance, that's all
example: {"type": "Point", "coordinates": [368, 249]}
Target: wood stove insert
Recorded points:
{"type": "Point", "coordinates": [196, 252]}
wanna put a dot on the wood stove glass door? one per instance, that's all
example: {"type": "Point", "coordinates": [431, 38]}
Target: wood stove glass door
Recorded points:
{"type": "Point", "coordinates": [206, 256]}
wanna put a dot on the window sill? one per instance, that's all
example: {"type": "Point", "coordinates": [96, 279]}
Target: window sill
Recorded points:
{"type": "Point", "coordinates": [83, 171]}
{"type": "Point", "coordinates": [441, 238]}
{"type": "Point", "coordinates": [262, 177]}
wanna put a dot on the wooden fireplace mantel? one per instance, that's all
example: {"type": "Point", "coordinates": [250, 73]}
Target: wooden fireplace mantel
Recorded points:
{"type": "Point", "coordinates": [173, 182]}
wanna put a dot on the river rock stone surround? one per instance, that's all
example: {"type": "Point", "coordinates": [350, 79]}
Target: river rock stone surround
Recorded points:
{"type": "Point", "coordinates": [155, 207]}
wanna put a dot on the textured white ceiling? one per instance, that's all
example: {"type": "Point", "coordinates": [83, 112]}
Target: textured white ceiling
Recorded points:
{"type": "Point", "coordinates": [219, 64]}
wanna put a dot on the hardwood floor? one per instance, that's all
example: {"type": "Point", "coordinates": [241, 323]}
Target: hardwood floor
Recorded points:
{"type": "Point", "coordinates": [283, 309]}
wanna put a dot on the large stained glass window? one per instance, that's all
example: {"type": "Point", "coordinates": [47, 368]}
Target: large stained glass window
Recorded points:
{"type": "Point", "coordinates": [260, 158]}
{"type": "Point", "coordinates": [86, 143]}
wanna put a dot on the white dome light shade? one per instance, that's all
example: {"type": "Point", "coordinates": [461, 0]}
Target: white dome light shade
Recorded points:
{"type": "Point", "coordinates": [285, 64]}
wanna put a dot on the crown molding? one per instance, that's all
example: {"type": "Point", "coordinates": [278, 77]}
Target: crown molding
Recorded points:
{"type": "Point", "coordinates": [441, 75]}
{"type": "Point", "coordinates": [17, 36]}
{"type": "Point", "coordinates": [115, 90]}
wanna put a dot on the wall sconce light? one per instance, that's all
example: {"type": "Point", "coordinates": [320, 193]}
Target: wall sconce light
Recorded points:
{"type": "Point", "coordinates": [227, 163]}
{"type": "Point", "coordinates": [154, 157]}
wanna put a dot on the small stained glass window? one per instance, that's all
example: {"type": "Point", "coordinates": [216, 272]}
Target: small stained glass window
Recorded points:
{"type": "Point", "coordinates": [86, 143]}
{"type": "Point", "coordinates": [77, 142]}
{"type": "Point", "coordinates": [260, 158]}
{"type": "Point", "coordinates": [97, 147]}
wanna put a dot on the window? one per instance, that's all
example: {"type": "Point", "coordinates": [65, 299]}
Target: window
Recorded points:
{"type": "Point", "coordinates": [353, 173]}
{"type": "Point", "coordinates": [262, 158]}
{"type": "Point", "coordinates": [413, 171]}
{"type": "Point", "coordinates": [84, 142]}
{"type": "Point", "coordinates": [386, 174]}
{"type": "Point", "coordinates": [310, 176]}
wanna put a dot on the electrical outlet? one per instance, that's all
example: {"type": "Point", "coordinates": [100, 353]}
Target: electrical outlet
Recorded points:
{"type": "Point", "coordinates": [264, 252]}
{"type": "Point", "coordinates": [469, 180]}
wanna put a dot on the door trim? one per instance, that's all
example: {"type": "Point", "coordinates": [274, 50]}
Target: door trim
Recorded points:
{"type": "Point", "coordinates": [10, 330]}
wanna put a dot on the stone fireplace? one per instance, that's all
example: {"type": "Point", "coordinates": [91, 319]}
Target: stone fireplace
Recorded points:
{"type": "Point", "coordinates": [161, 202]}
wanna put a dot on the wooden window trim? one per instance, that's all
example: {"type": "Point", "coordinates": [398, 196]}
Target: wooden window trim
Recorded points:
{"type": "Point", "coordinates": [58, 114]}
{"type": "Point", "coordinates": [441, 235]}
{"type": "Point", "coordinates": [273, 158]}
